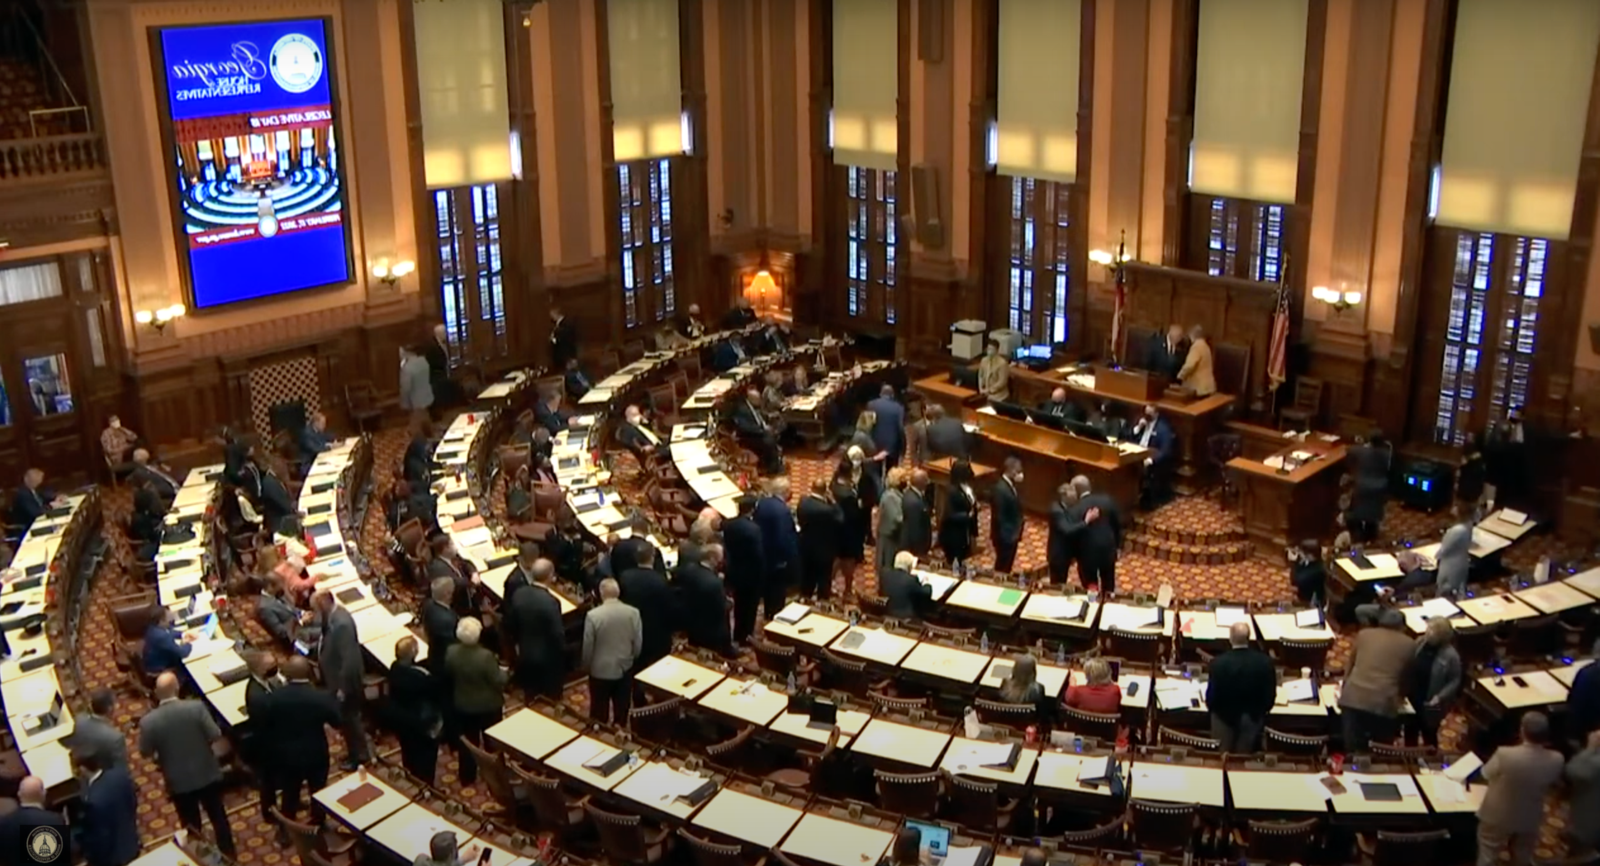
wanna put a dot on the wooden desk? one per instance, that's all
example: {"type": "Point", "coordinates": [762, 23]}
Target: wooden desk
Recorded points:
{"type": "Point", "coordinates": [1275, 791]}
{"type": "Point", "coordinates": [1281, 626]}
{"type": "Point", "coordinates": [937, 390]}
{"type": "Point", "coordinates": [1177, 783]}
{"type": "Point", "coordinates": [679, 676]}
{"type": "Point", "coordinates": [989, 599]}
{"type": "Point", "coordinates": [1352, 802]}
{"type": "Point", "coordinates": [815, 630]}
{"type": "Point", "coordinates": [833, 842]}
{"type": "Point", "coordinates": [1385, 566]}
{"type": "Point", "coordinates": [753, 820]}
{"type": "Point", "coordinates": [531, 733]}
{"type": "Point", "coordinates": [1494, 609]}
{"type": "Point", "coordinates": [1058, 772]}
{"type": "Point", "coordinates": [1555, 597]}
{"type": "Point", "coordinates": [1052, 677]}
{"type": "Point", "coordinates": [797, 725]}
{"type": "Point", "coordinates": [1052, 457]}
{"type": "Point", "coordinates": [1567, 673]}
{"type": "Point", "coordinates": [1542, 690]}
{"type": "Point", "coordinates": [388, 801]}
{"type": "Point", "coordinates": [168, 854]}
{"type": "Point", "coordinates": [903, 744]}
{"type": "Point", "coordinates": [1201, 625]}
{"type": "Point", "coordinates": [410, 828]}
{"type": "Point", "coordinates": [1281, 508]}
{"type": "Point", "coordinates": [964, 758]}
{"type": "Point", "coordinates": [743, 700]}
{"type": "Point", "coordinates": [1587, 581]}
{"type": "Point", "coordinates": [1446, 796]}
{"type": "Point", "coordinates": [1497, 524]}
{"type": "Point", "coordinates": [880, 647]}
{"type": "Point", "coordinates": [1055, 613]}
{"type": "Point", "coordinates": [946, 663]}
{"type": "Point", "coordinates": [656, 786]}
{"type": "Point", "coordinates": [1118, 616]}
{"type": "Point", "coordinates": [569, 761]}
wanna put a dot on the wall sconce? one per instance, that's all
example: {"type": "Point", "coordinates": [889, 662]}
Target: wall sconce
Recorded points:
{"type": "Point", "coordinates": [391, 274]}
{"type": "Point", "coordinates": [1113, 261]}
{"type": "Point", "coordinates": [765, 290]}
{"type": "Point", "coordinates": [1339, 301]}
{"type": "Point", "coordinates": [158, 319]}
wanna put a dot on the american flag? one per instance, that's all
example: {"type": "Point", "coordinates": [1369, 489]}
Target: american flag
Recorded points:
{"type": "Point", "coordinates": [1118, 306]}
{"type": "Point", "coordinates": [1278, 351]}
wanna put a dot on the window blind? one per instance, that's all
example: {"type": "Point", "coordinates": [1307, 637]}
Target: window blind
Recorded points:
{"type": "Point", "coordinates": [1037, 110]}
{"type": "Point", "coordinates": [866, 39]}
{"type": "Point", "coordinates": [1249, 71]}
{"type": "Point", "coordinates": [461, 75]}
{"type": "Point", "coordinates": [646, 83]}
{"type": "Point", "coordinates": [1520, 76]}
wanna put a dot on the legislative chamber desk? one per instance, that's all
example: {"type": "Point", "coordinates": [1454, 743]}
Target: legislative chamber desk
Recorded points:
{"type": "Point", "coordinates": [1050, 458]}
{"type": "Point", "coordinates": [1282, 506]}
{"type": "Point", "coordinates": [1193, 421]}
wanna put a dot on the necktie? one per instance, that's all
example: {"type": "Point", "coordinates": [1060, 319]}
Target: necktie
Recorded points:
{"type": "Point", "coordinates": [649, 435]}
{"type": "Point", "coordinates": [757, 412]}
{"type": "Point", "coordinates": [1149, 430]}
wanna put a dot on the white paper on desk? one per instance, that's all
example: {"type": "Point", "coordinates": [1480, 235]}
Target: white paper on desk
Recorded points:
{"type": "Point", "coordinates": [1446, 790]}
{"type": "Point", "coordinates": [224, 663]}
{"type": "Point", "coordinates": [964, 856]}
{"type": "Point", "coordinates": [1095, 769]}
{"type": "Point", "coordinates": [1297, 690]}
{"type": "Point", "coordinates": [664, 785]}
{"type": "Point", "coordinates": [1308, 618]}
{"type": "Point", "coordinates": [975, 755]}
{"type": "Point", "coordinates": [1463, 768]}
{"type": "Point", "coordinates": [1164, 596]}
{"type": "Point", "coordinates": [1273, 462]}
{"type": "Point", "coordinates": [1060, 606]}
{"type": "Point", "coordinates": [1175, 694]}
{"type": "Point", "coordinates": [793, 613]}
{"type": "Point", "coordinates": [474, 537]}
{"type": "Point", "coordinates": [203, 648]}
{"type": "Point", "coordinates": [1438, 607]}
{"type": "Point", "coordinates": [1227, 616]}
{"type": "Point", "coordinates": [1513, 516]}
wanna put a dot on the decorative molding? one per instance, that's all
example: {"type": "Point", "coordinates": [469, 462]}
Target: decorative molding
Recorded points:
{"type": "Point", "coordinates": [566, 276]}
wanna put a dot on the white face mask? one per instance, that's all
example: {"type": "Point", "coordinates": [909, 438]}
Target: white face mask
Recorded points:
{"type": "Point", "coordinates": [116, 424]}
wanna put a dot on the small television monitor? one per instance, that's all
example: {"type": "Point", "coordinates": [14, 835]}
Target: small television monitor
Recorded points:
{"type": "Point", "coordinates": [1010, 410]}
{"type": "Point", "coordinates": [1041, 352]}
{"type": "Point", "coordinates": [935, 837]}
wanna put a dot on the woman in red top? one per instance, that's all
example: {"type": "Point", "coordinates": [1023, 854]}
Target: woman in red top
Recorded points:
{"type": "Point", "coordinates": [1100, 695]}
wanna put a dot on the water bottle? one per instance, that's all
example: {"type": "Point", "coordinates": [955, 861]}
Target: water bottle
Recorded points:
{"type": "Point", "coordinates": [969, 721]}
{"type": "Point", "coordinates": [983, 642]}
{"type": "Point", "coordinates": [1022, 581]}
{"type": "Point", "coordinates": [791, 682]}
{"type": "Point", "coordinates": [1061, 655]}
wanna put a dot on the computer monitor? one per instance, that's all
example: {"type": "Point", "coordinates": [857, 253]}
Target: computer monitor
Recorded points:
{"type": "Point", "coordinates": [1010, 410]}
{"type": "Point", "coordinates": [935, 837]}
{"type": "Point", "coordinates": [1041, 352]}
{"type": "Point", "coordinates": [964, 377]}
{"type": "Point", "coordinates": [1086, 430]}
{"type": "Point", "coordinates": [1049, 419]}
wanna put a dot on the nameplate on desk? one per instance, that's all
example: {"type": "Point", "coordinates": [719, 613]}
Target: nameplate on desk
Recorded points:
{"type": "Point", "coordinates": [321, 508]}
{"type": "Point", "coordinates": [453, 495]}
{"type": "Point", "coordinates": [325, 487]}
{"type": "Point", "coordinates": [606, 765]}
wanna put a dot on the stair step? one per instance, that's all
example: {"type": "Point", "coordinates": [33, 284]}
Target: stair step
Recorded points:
{"type": "Point", "coordinates": [1214, 553]}
{"type": "Point", "coordinates": [1189, 536]}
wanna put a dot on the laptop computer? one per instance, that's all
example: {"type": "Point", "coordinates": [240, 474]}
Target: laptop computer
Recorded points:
{"type": "Point", "coordinates": [47, 719]}
{"type": "Point", "coordinates": [349, 595]}
{"type": "Point", "coordinates": [1383, 792]}
{"type": "Point", "coordinates": [935, 838]}
{"type": "Point", "coordinates": [824, 714]}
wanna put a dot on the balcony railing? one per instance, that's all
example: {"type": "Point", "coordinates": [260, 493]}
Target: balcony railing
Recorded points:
{"type": "Point", "coordinates": [58, 157]}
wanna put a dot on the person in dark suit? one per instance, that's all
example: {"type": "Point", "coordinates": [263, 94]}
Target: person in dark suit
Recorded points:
{"type": "Point", "coordinates": [1005, 516]}
{"type": "Point", "coordinates": [96, 732]}
{"type": "Point", "coordinates": [1065, 527]}
{"type": "Point", "coordinates": [703, 603]}
{"type": "Point", "coordinates": [647, 591]}
{"type": "Point", "coordinates": [437, 353]}
{"type": "Point", "coordinates": [446, 563]}
{"type": "Point", "coordinates": [563, 339]}
{"type": "Point", "coordinates": [1167, 352]}
{"type": "Point", "coordinates": [31, 812]}
{"type": "Point", "coordinates": [340, 655]}
{"type": "Point", "coordinates": [277, 509]}
{"type": "Point", "coordinates": [889, 428]}
{"type": "Point", "coordinates": [821, 523]}
{"type": "Point", "coordinates": [776, 339]}
{"type": "Point", "coordinates": [1241, 691]}
{"type": "Point", "coordinates": [155, 477]}
{"type": "Point", "coordinates": [739, 316]}
{"type": "Point", "coordinates": [906, 597]}
{"type": "Point", "coordinates": [744, 567]}
{"type": "Point", "coordinates": [1368, 464]}
{"type": "Point", "coordinates": [916, 518]}
{"type": "Point", "coordinates": [690, 325]}
{"type": "Point", "coordinates": [178, 734]}
{"type": "Point", "coordinates": [576, 382]}
{"type": "Point", "coordinates": [946, 436]}
{"type": "Point", "coordinates": [1154, 432]}
{"type": "Point", "coordinates": [314, 438]}
{"type": "Point", "coordinates": [635, 433]}
{"type": "Point", "coordinates": [33, 499]}
{"type": "Point", "coordinates": [756, 433]}
{"type": "Point", "coordinates": [254, 739]}
{"type": "Point", "coordinates": [1101, 537]}
{"type": "Point", "coordinates": [108, 805]}
{"type": "Point", "coordinates": [439, 621]}
{"type": "Point", "coordinates": [418, 460]}
{"type": "Point", "coordinates": [414, 710]}
{"type": "Point", "coordinates": [547, 411]}
{"type": "Point", "coordinates": [298, 715]}
{"type": "Point", "coordinates": [165, 645]}
{"type": "Point", "coordinates": [146, 525]}
{"type": "Point", "coordinates": [1307, 572]}
{"type": "Point", "coordinates": [781, 543]}
{"type": "Point", "coordinates": [636, 551]}
{"type": "Point", "coordinates": [1059, 406]}
{"type": "Point", "coordinates": [958, 524]}
{"type": "Point", "coordinates": [728, 353]}
{"type": "Point", "coordinates": [533, 625]}
{"type": "Point", "coordinates": [277, 613]}
{"type": "Point", "coordinates": [851, 480]}
{"type": "Point", "coordinates": [408, 503]}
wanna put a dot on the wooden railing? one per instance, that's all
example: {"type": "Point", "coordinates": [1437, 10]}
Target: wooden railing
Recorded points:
{"type": "Point", "coordinates": [27, 160]}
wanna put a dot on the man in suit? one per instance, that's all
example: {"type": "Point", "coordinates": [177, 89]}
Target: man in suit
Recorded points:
{"type": "Point", "coordinates": [889, 430]}
{"type": "Point", "coordinates": [946, 436]}
{"type": "Point", "coordinates": [254, 743]}
{"type": "Point", "coordinates": [916, 517]}
{"type": "Point", "coordinates": [1519, 777]}
{"type": "Point", "coordinates": [272, 498]}
{"type": "Point", "coordinates": [563, 339]}
{"type": "Point", "coordinates": [703, 603]}
{"type": "Point", "coordinates": [437, 353]}
{"type": "Point", "coordinates": [416, 388]}
{"type": "Point", "coordinates": [439, 621]}
{"type": "Point", "coordinates": [740, 316]}
{"type": "Point", "coordinates": [891, 517]}
{"type": "Point", "coordinates": [728, 353]}
{"type": "Point", "coordinates": [1196, 373]}
{"type": "Point", "coordinates": [1240, 692]}
{"type": "Point", "coordinates": [646, 590]}
{"type": "Point", "coordinates": [994, 374]}
{"type": "Point", "coordinates": [340, 654]}
{"type": "Point", "coordinates": [1454, 560]}
{"type": "Point", "coordinates": [280, 617]}
{"type": "Point", "coordinates": [576, 382]}
{"type": "Point", "coordinates": [178, 735]}
{"type": "Point", "coordinates": [154, 476]}
{"type": "Point", "coordinates": [96, 733]}
{"type": "Point", "coordinates": [547, 410]}
{"type": "Point", "coordinates": [108, 805]}
{"type": "Point", "coordinates": [31, 812]}
{"type": "Point", "coordinates": [691, 325]}
{"type": "Point", "coordinates": [906, 597]}
{"type": "Point", "coordinates": [745, 566]}
{"type": "Point", "coordinates": [1167, 352]}
{"type": "Point", "coordinates": [1368, 465]}
{"type": "Point", "coordinates": [1066, 524]}
{"type": "Point", "coordinates": [1060, 407]}
{"type": "Point", "coordinates": [702, 531]}
{"type": "Point", "coordinates": [776, 338]}
{"type": "Point", "coordinates": [821, 524]}
{"type": "Point", "coordinates": [298, 715]}
{"type": "Point", "coordinates": [1375, 677]}
{"type": "Point", "coordinates": [1154, 433]}
{"type": "Point", "coordinates": [636, 551]}
{"type": "Point", "coordinates": [756, 433]}
{"type": "Point", "coordinates": [314, 437]}
{"type": "Point", "coordinates": [635, 433]}
{"type": "Point", "coordinates": [165, 645]}
{"type": "Point", "coordinates": [533, 625]}
{"type": "Point", "coordinates": [33, 499]}
{"type": "Point", "coordinates": [781, 543]}
{"type": "Point", "coordinates": [1101, 537]}
{"type": "Point", "coordinates": [613, 637]}
{"type": "Point", "coordinates": [1005, 516]}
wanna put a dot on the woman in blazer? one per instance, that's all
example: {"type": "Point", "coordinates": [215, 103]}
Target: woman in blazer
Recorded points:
{"type": "Point", "coordinates": [958, 525]}
{"type": "Point", "coordinates": [853, 529]}
{"type": "Point", "coordinates": [477, 684]}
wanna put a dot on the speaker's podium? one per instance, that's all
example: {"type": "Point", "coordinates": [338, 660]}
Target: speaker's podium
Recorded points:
{"type": "Point", "coordinates": [1136, 385]}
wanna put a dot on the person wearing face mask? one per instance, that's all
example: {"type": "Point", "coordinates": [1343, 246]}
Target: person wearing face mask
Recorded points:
{"type": "Point", "coordinates": [958, 524]}
{"type": "Point", "coordinates": [1005, 516]}
{"type": "Point", "coordinates": [994, 375]}
{"type": "Point", "coordinates": [254, 746]}
{"type": "Point", "coordinates": [757, 433]}
{"type": "Point", "coordinates": [1307, 572]}
{"type": "Point", "coordinates": [1154, 434]}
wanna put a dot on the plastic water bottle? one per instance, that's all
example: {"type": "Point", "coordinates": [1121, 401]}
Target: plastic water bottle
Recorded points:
{"type": "Point", "coordinates": [969, 721]}
{"type": "Point", "coordinates": [983, 642]}
{"type": "Point", "coordinates": [791, 682]}
{"type": "Point", "coordinates": [1061, 654]}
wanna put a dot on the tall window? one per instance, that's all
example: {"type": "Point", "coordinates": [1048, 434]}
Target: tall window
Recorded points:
{"type": "Point", "coordinates": [1490, 332]}
{"type": "Point", "coordinates": [874, 217]}
{"type": "Point", "coordinates": [1239, 238]}
{"type": "Point", "coordinates": [1038, 266]}
{"type": "Point", "coordinates": [649, 293]}
{"type": "Point", "coordinates": [471, 279]}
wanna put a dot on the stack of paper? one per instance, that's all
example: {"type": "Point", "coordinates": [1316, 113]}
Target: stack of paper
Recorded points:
{"type": "Point", "coordinates": [792, 613]}
{"type": "Point", "coordinates": [1227, 616]}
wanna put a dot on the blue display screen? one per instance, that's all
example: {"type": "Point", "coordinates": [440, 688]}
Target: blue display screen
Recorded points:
{"type": "Point", "coordinates": [257, 169]}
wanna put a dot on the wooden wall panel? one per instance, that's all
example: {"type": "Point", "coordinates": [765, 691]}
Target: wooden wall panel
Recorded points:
{"type": "Point", "coordinates": [1235, 312]}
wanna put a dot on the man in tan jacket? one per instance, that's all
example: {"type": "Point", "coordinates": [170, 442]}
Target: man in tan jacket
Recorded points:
{"type": "Point", "coordinates": [1513, 808]}
{"type": "Point", "coordinates": [1370, 699]}
{"type": "Point", "coordinates": [994, 375]}
{"type": "Point", "coordinates": [1196, 373]}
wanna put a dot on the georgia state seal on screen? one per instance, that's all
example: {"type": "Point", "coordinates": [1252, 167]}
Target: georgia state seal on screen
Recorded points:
{"type": "Point", "coordinates": [45, 845]}
{"type": "Point", "coordinates": [296, 63]}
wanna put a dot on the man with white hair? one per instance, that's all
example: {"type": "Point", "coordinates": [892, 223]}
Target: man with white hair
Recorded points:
{"type": "Point", "coordinates": [756, 433]}
{"type": "Point", "coordinates": [636, 434]}
{"type": "Point", "coordinates": [148, 473]}
{"type": "Point", "coordinates": [703, 602]}
{"type": "Point", "coordinates": [908, 597]}
{"type": "Point", "coordinates": [439, 620]}
{"type": "Point", "coordinates": [1100, 539]}
{"type": "Point", "coordinates": [1241, 691]}
{"type": "Point", "coordinates": [613, 637]}
{"type": "Point", "coordinates": [691, 325]}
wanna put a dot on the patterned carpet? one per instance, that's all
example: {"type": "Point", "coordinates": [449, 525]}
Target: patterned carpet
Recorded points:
{"type": "Point", "coordinates": [1193, 519]}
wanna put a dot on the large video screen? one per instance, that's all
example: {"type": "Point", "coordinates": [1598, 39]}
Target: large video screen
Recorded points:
{"type": "Point", "coordinates": [260, 197]}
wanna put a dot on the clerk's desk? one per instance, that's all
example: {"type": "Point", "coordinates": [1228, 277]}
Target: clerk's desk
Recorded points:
{"type": "Point", "coordinates": [1281, 508]}
{"type": "Point", "coordinates": [1050, 458]}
